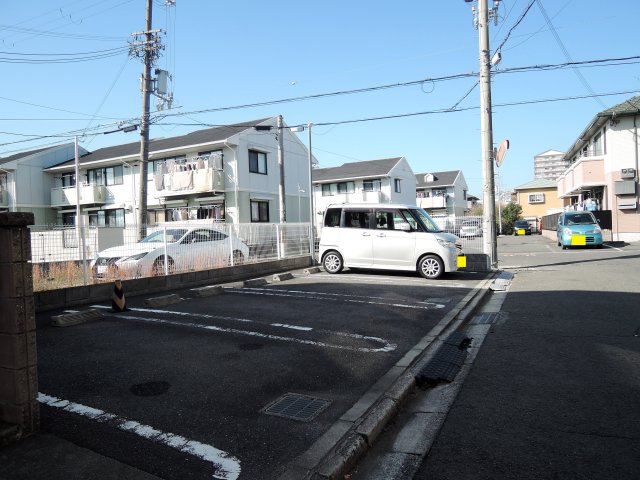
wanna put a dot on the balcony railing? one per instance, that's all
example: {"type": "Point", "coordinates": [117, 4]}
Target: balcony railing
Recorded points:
{"type": "Point", "coordinates": [586, 172]}
{"type": "Point", "coordinates": [358, 197]}
{"type": "Point", "coordinates": [89, 195]}
{"type": "Point", "coordinates": [190, 181]}
{"type": "Point", "coordinates": [432, 202]}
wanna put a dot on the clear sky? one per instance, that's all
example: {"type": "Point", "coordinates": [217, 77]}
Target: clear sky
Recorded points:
{"type": "Point", "coordinates": [232, 54]}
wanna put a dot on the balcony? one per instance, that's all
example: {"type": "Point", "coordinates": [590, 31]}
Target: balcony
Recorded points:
{"type": "Point", "coordinates": [4, 199]}
{"type": "Point", "coordinates": [203, 180]}
{"type": "Point", "coordinates": [586, 173]}
{"type": "Point", "coordinates": [89, 195]}
{"type": "Point", "coordinates": [439, 201]}
{"type": "Point", "coordinates": [358, 197]}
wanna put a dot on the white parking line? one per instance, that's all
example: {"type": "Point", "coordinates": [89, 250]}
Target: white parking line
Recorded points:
{"type": "Point", "coordinates": [226, 466]}
{"type": "Point", "coordinates": [331, 296]}
{"type": "Point", "coordinates": [384, 280]}
{"type": "Point", "coordinates": [386, 346]}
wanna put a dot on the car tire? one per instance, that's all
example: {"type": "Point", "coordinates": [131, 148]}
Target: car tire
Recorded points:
{"type": "Point", "coordinates": [238, 257]}
{"type": "Point", "coordinates": [158, 266]}
{"type": "Point", "coordinates": [431, 267]}
{"type": "Point", "coordinates": [332, 262]}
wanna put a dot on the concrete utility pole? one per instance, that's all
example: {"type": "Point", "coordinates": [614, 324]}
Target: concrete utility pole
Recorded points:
{"type": "Point", "coordinates": [283, 207]}
{"type": "Point", "coordinates": [486, 131]}
{"type": "Point", "coordinates": [144, 124]}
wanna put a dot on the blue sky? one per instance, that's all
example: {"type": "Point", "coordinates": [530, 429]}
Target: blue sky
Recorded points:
{"type": "Point", "coordinates": [228, 54]}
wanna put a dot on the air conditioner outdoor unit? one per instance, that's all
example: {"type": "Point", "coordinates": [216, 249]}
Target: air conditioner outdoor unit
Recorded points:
{"type": "Point", "coordinates": [628, 173]}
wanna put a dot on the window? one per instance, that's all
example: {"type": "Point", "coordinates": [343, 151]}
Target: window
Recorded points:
{"type": "Point", "coordinates": [105, 176]}
{"type": "Point", "coordinates": [332, 217]}
{"type": "Point", "coordinates": [536, 198]}
{"type": "Point", "coordinates": [371, 185]}
{"type": "Point", "coordinates": [346, 187]}
{"type": "Point", "coordinates": [69, 218]}
{"type": "Point", "coordinates": [68, 179]}
{"type": "Point", "coordinates": [107, 218]}
{"type": "Point", "coordinates": [326, 190]}
{"type": "Point", "coordinates": [259, 211]}
{"type": "Point", "coordinates": [357, 218]}
{"type": "Point", "coordinates": [257, 162]}
{"type": "Point", "coordinates": [396, 185]}
{"type": "Point", "coordinates": [439, 192]}
{"type": "Point", "coordinates": [597, 144]}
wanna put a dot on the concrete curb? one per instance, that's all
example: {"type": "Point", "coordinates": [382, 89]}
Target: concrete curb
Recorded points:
{"type": "Point", "coordinates": [163, 300]}
{"type": "Point", "coordinates": [69, 319]}
{"type": "Point", "coordinates": [280, 277]}
{"type": "Point", "coordinates": [208, 291]}
{"type": "Point", "coordinates": [255, 282]}
{"type": "Point", "coordinates": [348, 439]}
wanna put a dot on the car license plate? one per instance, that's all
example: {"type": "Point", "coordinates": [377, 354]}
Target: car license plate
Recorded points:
{"type": "Point", "coordinates": [462, 261]}
{"type": "Point", "coordinates": [521, 231]}
{"type": "Point", "coordinates": [578, 240]}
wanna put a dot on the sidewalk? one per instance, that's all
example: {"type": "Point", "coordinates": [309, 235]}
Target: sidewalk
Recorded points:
{"type": "Point", "coordinates": [43, 456]}
{"type": "Point", "coordinates": [554, 391]}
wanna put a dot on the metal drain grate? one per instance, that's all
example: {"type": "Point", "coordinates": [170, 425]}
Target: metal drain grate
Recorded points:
{"type": "Point", "coordinates": [297, 407]}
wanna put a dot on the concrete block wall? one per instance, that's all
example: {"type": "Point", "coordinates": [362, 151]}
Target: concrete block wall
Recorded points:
{"type": "Point", "coordinates": [18, 357]}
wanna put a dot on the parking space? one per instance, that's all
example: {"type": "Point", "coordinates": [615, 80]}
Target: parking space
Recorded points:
{"type": "Point", "coordinates": [234, 385]}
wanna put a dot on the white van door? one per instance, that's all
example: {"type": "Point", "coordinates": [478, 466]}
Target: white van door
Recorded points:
{"type": "Point", "coordinates": [393, 247]}
{"type": "Point", "coordinates": [356, 240]}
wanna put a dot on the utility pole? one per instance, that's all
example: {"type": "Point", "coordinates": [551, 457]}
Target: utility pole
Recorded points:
{"type": "Point", "coordinates": [149, 50]}
{"type": "Point", "coordinates": [281, 190]}
{"type": "Point", "coordinates": [486, 131]}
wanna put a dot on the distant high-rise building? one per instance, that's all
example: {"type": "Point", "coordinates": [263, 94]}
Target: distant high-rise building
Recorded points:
{"type": "Point", "coordinates": [549, 165]}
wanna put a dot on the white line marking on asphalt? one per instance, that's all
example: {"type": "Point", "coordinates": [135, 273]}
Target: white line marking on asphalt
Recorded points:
{"type": "Point", "coordinates": [331, 296]}
{"type": "Point", "coordinates": [387, 346]}
{"type": "Point", "coordinates": [293, 327]}
{"type": "Point", "coordinates": [227, 467]}
{"type": "Point", "coordinates": [385, 280]}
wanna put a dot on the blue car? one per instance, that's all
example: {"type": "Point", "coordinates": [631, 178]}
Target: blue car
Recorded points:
{"type": "Point", "coordinates": [578, 229]}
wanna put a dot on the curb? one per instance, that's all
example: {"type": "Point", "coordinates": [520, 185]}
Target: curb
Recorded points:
{"type": "Point", "coordinates": [351, 436]}
{"type": "Point", "coordinates": [69, 319]}
{"type": "Point", "coordinates": [163, 300]}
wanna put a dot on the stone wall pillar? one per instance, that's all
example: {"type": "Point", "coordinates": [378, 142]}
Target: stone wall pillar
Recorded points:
{"type": "Point", "coordinates": [18, 360]}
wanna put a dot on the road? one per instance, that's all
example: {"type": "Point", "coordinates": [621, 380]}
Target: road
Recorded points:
{"type": "Point", "coordinates": [552, 392]}
{"type": "Point", "coordinates": [198, 388]}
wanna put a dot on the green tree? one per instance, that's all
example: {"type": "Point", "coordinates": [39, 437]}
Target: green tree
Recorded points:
{"type": "Point", "coordinates": [510, 213]}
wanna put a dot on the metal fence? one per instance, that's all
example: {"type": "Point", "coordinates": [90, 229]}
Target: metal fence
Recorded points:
{"type": "Point", "coordinates": [70, 256]}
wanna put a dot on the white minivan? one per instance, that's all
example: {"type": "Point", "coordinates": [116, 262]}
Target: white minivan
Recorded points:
{"type": "Point", "coordinates": [383, 236]}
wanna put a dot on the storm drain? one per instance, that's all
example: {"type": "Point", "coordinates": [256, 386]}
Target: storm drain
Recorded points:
{"type": "Point", "coordinates": [447, 361]}
{"type": "Point", "coordinates": [297, 407]}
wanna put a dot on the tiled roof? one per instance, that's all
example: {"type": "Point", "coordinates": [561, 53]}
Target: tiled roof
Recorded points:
{"type": "Point", "coordinates": [23, 154]}
{"type": "Point", "coordinates": [628, 107]}
{"type": "Point", "coordinates": [538, 183]}
{"type": "Point", "coordinates": [364, 169]}
{"type": "Point", "coordinates": [199, 137]}
{"type": "Point", "coordinates": [441, 179]}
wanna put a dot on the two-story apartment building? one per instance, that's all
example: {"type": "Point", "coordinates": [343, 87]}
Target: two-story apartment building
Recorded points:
{"type": "Point", "coordinates": [388, 180]}
{"type": "Point", "coordinates": [604, 168]}
{"type": "Point", "coordinates": [442, 194]}
{"type": "Point", "coordinates": [229, 173]}
{"type": "Point", "coordinates": [538, 198]}
{"type": "Point", "coordinates": [24, 188]}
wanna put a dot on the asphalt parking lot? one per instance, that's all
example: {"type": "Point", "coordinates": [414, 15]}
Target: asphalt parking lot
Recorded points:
{"type": "Point", "coordinates": [237, 384]}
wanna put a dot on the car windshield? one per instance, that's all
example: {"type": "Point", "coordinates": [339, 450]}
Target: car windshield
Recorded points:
{"type": "Point", "coordinates": [172, 235]}
{"type": "Point", "coordinates": [426, 221]}
{"type": "Point", "coordinates": [522, 224]}
{"type": "Point", "coordinates": [579, 219]}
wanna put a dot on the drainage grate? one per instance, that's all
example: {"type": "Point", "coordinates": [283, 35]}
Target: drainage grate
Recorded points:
{"type": "Point", "coordinates": [447, 361]}
{"type": "Point", "coordinates": [297, 407]}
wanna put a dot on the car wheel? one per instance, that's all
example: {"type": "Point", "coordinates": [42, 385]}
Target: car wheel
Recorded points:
{"type": "Point", "coordinates": [332, 262]}
{"type": "Point", "coordinates": [430, 266]}
{"type": "Point", "coordinates": [158, 266]}
{"type": "Point", "coordinates": [238, 257]}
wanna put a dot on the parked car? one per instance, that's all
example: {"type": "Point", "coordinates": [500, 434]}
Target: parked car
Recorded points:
{"type": "Point", "coordinates": [186, 249]}
{"type": "Point", "coordinates": [578, 229]}
{"type": "Point", "coordinates": [470, 228]}
{"type": "Point", "coordinates": [521, 227]}
{"type": "Point", "coordinates": [393, 237]}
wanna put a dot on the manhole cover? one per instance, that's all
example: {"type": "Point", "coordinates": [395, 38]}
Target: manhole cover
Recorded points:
{"type": "Point", "coordinates": [297, 407]}
{"type": "Point", "coordinates": [149, 389]}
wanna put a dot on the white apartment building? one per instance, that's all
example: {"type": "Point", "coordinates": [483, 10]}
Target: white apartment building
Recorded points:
{"type": "Point", "coordinates": [549, 165]}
